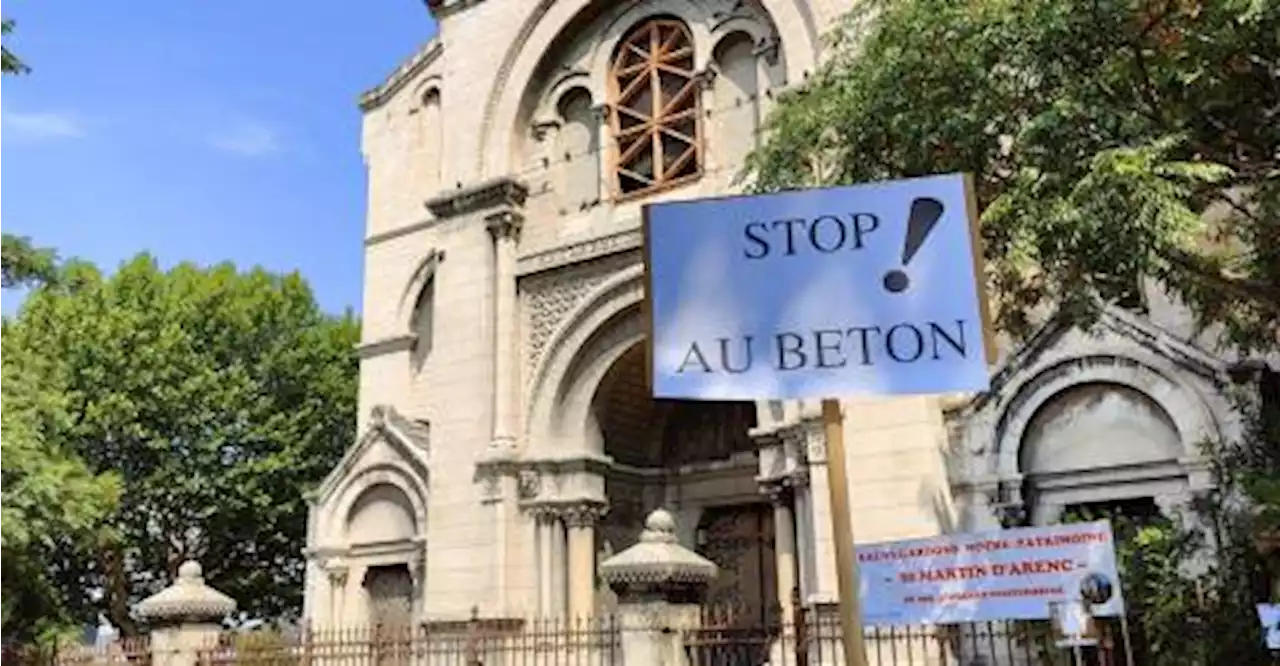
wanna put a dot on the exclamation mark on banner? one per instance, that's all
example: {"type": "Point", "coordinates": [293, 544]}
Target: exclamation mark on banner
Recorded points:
{"type": "Point", "coordinates": [925, 213]}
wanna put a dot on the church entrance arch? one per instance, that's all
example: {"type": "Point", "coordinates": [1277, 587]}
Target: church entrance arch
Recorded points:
{"type": "Point", "coordinates": [694, 458]}
{"type": "Point", "coordinates": [594, 425]}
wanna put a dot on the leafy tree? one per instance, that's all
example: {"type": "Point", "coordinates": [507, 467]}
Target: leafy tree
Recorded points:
{"type": "Point", "coordinates": [1111, 141]}
{"type": "Point", "coordinates": [51, 501]}
{"type": "Point", "coordinates": [10, 63]}
{"type": "Point", "coordinates": [217, 397]}
{"type": "Point", "coordinates": [24, 265]}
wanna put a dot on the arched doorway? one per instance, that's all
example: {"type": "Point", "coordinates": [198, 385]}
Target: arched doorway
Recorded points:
{"type": "Point", "coordinates": [698, 460]}
{"type": "Point", "coordinates": [1101, 447]}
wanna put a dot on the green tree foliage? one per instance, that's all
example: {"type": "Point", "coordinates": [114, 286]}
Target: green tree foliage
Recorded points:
{"type": "Point", "coordinates": [218, 398]}
{"type": "Point", "coordinates": [10, 63]}
{"type": "Point", "coordinates": [23, 264]}
{"type": "Point", "coordinates": [1111, 141]}
{"type": "Point", "coordinates": [1099, 132]}
{"type": "Point", "coordinates": [51, 501]}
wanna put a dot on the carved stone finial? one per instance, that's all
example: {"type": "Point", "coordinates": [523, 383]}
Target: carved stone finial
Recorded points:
{"type": "Point", "coordinates": [187, 600]}
{"type": "Point", "coordinates": [658, 563]}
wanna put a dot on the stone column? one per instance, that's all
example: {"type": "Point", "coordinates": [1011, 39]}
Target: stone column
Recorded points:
{"type": "Point", "coordinates": [581, 523]}
{"type": "Point", "coordinates": [505, 227]}
{"type": "Point", "coordinates": [784, 548]}
{"type": "Point", "coordinates": [186, 617]}
{"type": "Point", "coordinates": [543, 529]}
{"type": "Point", "coordinates": [559, 567]}
{"type": "Point", "coordinates": [660, 585]}
{"type": "Point", "coordinates": [808, 435]}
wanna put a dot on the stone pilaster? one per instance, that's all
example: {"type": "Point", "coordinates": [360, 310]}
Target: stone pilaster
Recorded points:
{"type": "Point", "coordinates": [505, 226]}
{"type": "Point", "coordinates": [580, 522]}
{"type": "Point", "coordinates": [782, 497]}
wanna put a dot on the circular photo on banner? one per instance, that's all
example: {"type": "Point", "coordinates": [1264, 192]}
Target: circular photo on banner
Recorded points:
{"type": "Point", "coordinates": [1096, 589]}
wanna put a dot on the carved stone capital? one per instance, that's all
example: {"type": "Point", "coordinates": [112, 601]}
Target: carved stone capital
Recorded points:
{"type": "Point", "coordinates": [707, 77]}
{"type": "Point", "coordinates": [768, 49]}
{"type": "Point", "coordinates": [807, 437]}
{"type": "Point", "coordinates": [601, 111]}
{"type": "Point", "coordinates": [779, 493]}
{"type": "Point", "coordinates": [337, 571]}
{"type": "Point", "coordinates": [504, 225]}
{"type": "Point", "coordinates": [583, 514]}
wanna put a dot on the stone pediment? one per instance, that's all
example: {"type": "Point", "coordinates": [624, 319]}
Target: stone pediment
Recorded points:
{"type": "Point", "coordinates": [1113, 331]}
{"type": "Point", "coordinates": [1117, 348]}
{"type": "Point", "coordinates": [409, 441]}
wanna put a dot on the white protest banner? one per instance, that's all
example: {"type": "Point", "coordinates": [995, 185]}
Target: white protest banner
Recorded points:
{"type": "Point", "coordinates": [1015, 574]}
{"type": "Point", "coordinates": [1269, 616]}
{"type": "Point", "coordinates": [860, 290]}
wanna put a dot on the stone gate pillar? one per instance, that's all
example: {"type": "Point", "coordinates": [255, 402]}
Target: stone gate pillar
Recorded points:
{"type": "Point", "coordinates": [660, 586]}
{"type": "Point", "coordinates": [184, 617]}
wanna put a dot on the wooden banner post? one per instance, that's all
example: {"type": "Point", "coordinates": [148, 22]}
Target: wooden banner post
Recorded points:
{"type": "Point", "coordinates": [855, 653]}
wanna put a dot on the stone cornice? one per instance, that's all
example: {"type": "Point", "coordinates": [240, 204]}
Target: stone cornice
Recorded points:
{"type": "Point", "coordinates": [444, 8]}
{"type": "Point", "coordinates": [378, 95]}
{"type": "Point", "coordinates": [596, 464]}
{"type": "Point", "coordinates": [388, 345]}
{"type": "Point", "coordinates": [490, 194]}
{"type": "Point", "coordinates": [586, 250]}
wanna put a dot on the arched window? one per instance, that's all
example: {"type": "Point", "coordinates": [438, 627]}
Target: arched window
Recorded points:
{"type": "Point", "coordinates": [654, 95]}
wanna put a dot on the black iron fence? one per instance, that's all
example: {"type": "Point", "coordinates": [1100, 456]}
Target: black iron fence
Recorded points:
{"type": "Point", "coordinates": [815, 637]}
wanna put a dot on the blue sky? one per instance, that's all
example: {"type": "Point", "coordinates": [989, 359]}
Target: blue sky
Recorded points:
{"type": "Point", "coordinates": [201, 131]}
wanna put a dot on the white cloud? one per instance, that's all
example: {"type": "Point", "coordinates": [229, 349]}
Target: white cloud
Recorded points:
{"type": "Point", "coordinates": [41, 124]}
{"type": "Point", "coordinates": [247, 138]}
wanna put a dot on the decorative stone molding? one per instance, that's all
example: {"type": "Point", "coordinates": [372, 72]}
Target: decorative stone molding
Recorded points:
{"type": "Point", "coordinates": [337, 570]}
{"type": "Point", "coordinates": [768, 48]}
{"type": "Point", "coordinates": [425, 271]}
{"type": "Point", "coordinates": [443, 8]}
{"type": "Point", "coordinates": [376, 97]}
{"type": "Point", "coordinates": [779, 493]}
{"type": "Point", "coordinates": [573, 253]}
{"type": "Point", "coordinates": [807, 436]}
{"type": "Point", "coordinates": [530, 484]}
{"type": "Point", "coordinates": [549, 298]}
{"type": "Point", "coordinates": [417, 432]}
{"type": "Point", "coordinates": [658, 562]}
{"type": "Point", "coordinates": [390, 345]}
{"type": "Point", "coordinates": [187, 600]}
{"type": "Point", "coordinates": [493, 193]}
{"type": "Point", "coordinates": [601, 111]}
{"type": "Point", "coordinates": [583, 514]}
{"type": "Point", "coordinates": [707, 79]}
{"type": "Point", "coordinates": [543, 128]}
{"type": "Point", "coordinates": [504, 225]}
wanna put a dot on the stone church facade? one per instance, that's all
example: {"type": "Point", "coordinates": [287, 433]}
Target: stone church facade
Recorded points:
{"type": "Point", "coordinates": [508, 444]}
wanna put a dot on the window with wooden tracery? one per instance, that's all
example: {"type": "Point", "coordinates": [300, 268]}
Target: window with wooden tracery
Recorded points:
{"type": "Point", "coordinates": [656, 127]}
